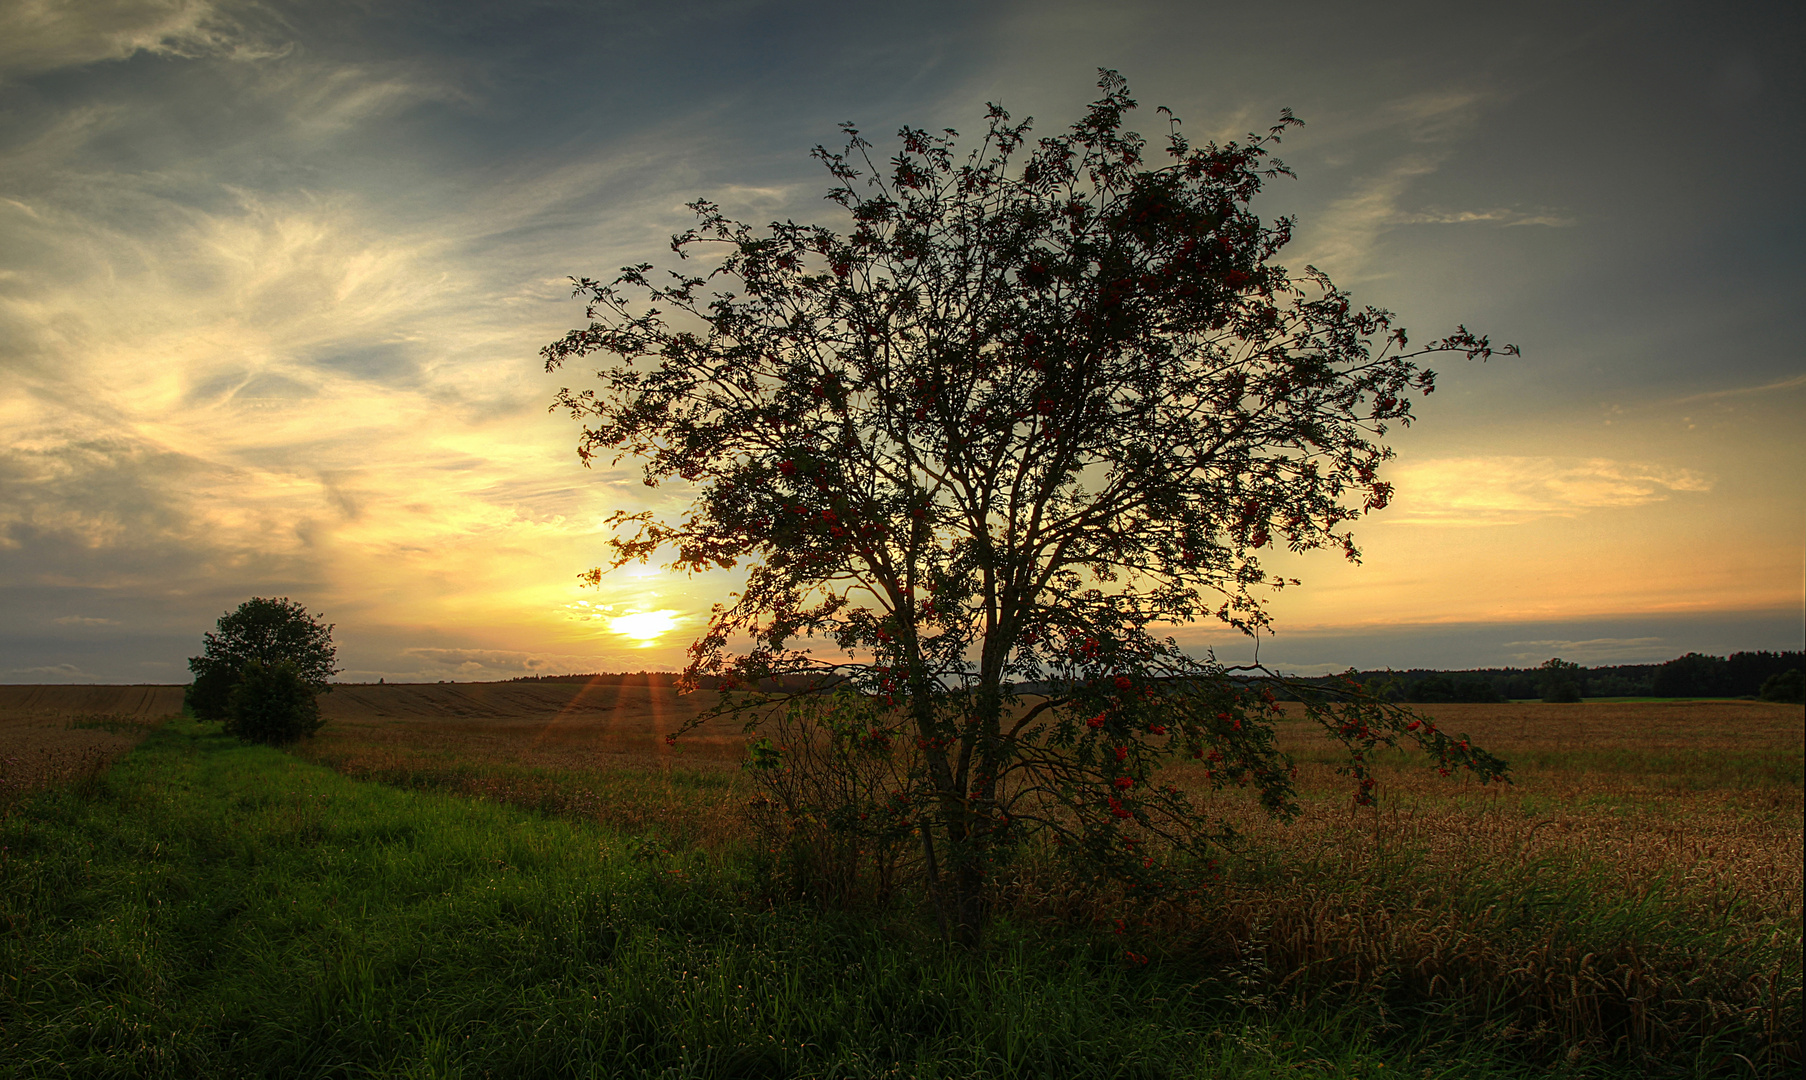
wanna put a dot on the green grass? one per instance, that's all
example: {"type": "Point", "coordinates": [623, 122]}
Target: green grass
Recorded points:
{"type": "Point", "coordinates": [213, 909]}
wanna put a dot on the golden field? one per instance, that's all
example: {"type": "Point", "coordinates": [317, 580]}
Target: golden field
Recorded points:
{"type": "Point", "coordinates": [1640, 879]}
{"type": "Point", "coordinates": [57, 734]}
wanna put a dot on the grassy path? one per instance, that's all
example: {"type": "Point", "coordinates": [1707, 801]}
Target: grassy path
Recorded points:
{"type": "Point", "coordinates": [212, 909]}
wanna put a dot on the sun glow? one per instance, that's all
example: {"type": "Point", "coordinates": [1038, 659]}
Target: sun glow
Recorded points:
{"type": "Point", "coordinates": [645, 627]}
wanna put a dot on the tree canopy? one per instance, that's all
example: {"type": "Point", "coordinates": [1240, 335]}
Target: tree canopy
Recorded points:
{"type": "Point", "coordinates": [1559, 681]}
{"type": "Point", "coordinates": [270, 631]}
{"type": "Point", "coordinates": [1037, 402]}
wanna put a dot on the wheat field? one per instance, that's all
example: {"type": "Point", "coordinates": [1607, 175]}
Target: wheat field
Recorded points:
{"type": "Point", "coordinates": [1635, 889]}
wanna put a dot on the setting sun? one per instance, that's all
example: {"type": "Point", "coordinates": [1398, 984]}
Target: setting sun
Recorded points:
{"type": "Point", "coordinates": [644, 627]}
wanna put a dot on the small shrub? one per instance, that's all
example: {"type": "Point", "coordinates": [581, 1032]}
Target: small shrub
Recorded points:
{"type": "Point", "coordinates": [836, 801]}
{"type": "Point", "coordinates": [272, 704]}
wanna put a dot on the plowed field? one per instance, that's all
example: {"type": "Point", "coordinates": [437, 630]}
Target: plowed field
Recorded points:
{"type": "Point", "coordinates": [148, 702]}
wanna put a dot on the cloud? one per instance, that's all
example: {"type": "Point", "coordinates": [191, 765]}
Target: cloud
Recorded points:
{"type": "Point", "coordinates": [214, 389]}
{"type": "Point", "coordinates": [1499, 216]}
{"type": "Point", "coordinates": [319, 100]}
{"type": "Point", "coordinates": [113, 511]}
{"type": "Point", "coordinates": [1344, 237]}
{"type": "Point", "coordinates": [84, 620]}
{"type": "Point", "coordinates": [1591, 651]}
{"type": "Point", "coordinates": [37, 36]}
{"type": "Point", "coordinates": [1341, 240]}
{"type": "Point", "coordinates": [52, 673]}
{"type": "Point", "coordinates": [1793, 383]}
{"type": "Point", "coordinates": [266, 396]}
{"type": "Point", "coordinates": [499, 663]}
{"type": "Point", "coordinates": [478, 658]}
{"type": "Point", "coordinates": [1507, 490]}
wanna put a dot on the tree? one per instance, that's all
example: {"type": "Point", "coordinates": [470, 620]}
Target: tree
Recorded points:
{"type": "Point", "coordinates": [1438, 688]}
{"type": "Point", "coordinates": [1037, 403]}
{"type": "Point", "coordinates": [270, 632]}
{"type": "Point", "coordinates": [272, 703]}
{"type": "Point", "coordinates": [1560, 681]}
{"type": "Point", "coordinates": [1747, 672]}
{"type": "Point", "coordinates": [209, 696]}
{"type": "Point", "coordinates": [1693, 675]}
{"type": "Point", "coordinates": [1789, 685]}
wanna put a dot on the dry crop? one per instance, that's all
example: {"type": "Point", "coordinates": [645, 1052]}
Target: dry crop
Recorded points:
{"type": "Point", "coordinates": [594, 749]}
{"type": "Point", "coordinates": [1636, 889]}
{"type": "Point", "coordinates": [61, 734]}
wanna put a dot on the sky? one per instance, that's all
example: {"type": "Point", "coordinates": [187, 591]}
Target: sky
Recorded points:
{"type": "Point", "coordinates": [274, 278]}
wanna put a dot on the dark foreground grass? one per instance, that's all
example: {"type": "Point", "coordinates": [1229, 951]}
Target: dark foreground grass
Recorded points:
{"type": "Point", "coordinates": [211, 909]}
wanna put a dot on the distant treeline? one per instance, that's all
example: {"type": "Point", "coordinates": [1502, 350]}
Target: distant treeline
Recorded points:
{"type": "Point", "coordinates": [1741, 674]}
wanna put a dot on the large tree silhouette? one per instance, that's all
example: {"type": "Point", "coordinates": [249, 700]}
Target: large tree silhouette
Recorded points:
{"type": "Point", "coordinates": [1035, 403]}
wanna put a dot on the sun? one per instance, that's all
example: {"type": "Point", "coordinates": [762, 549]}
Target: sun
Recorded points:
{"type": "Point", "coordinates": [645, 627]}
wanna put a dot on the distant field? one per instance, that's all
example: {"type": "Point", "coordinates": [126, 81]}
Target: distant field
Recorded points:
{"type": "Point", "coordinates": [619, 721]}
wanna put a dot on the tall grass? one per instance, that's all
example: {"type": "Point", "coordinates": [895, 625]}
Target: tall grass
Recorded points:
{"type": "Point", "coordinates": [1634, 898]}
{"type": "Point", "coordinates": [207, 908]}
{"type": "Point", "coordinates": [211, 909]}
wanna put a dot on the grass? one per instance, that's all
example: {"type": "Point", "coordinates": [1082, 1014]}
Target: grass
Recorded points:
{"type": "Point", "coordinates": [1661, 847]}
{"type": "Point", "coordinates": [1631, 907]}
{"type": "Point", "coordinates": [211, 909]}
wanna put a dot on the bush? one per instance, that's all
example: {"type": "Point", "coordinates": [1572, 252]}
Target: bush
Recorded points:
{"type": "Point", "coordinates": [1789, 685]}
{"type": "Point", "coordinates": [209, 696]}
{"type": "Point", "coordinates": [272, 704]}
{"type": "Point", "coordinates": [834, 809]}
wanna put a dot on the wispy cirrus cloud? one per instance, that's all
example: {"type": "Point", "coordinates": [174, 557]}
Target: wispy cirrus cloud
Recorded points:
{"type": "Point", "coordinates": [1426, 128]}
{"type": "Point", "coordinates": [218, 389]}
{"type": "Point", "coordinates": [1505, 490]}
{"type": "Point", "coordinates": [1496, 216]}
{"type": "Point", "coordinates": [1777, 386]}
{"type": "Point", "coordinates": [44, 35]}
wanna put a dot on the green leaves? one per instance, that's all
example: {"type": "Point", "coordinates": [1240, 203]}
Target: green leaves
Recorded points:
{"type": "Point", "coordinates": [272, 704]}
{"type": "Point", "coordinates": [267, 632]}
